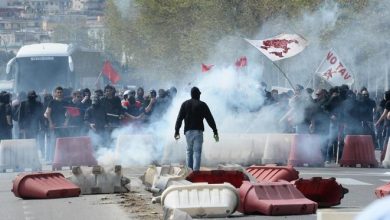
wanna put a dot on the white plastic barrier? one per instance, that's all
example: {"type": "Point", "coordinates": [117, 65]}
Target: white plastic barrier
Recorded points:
{"type": "Point", "coordinates": [202, 199]}
{"type": "Point", "coordinates": [175, 151]}
{"type": "Point", "coordinates": [176, 214]}
{"type": "Point", "coordinates": [97, 180]}
{"type": "Point", "coordinates": [153, 172]}
{"type": "Point", "coordinates": [163, 182]}
{"type": "Point", "coordinates": [386, 160]}
{"type": "Point", "coordinates": [277, 148]}
{"type": "Point", "coordinates": [19, 154]}
{"type": "Point", "coordinates": [259, 142]}
{"type": "Point", "coordinates": [231, 148]}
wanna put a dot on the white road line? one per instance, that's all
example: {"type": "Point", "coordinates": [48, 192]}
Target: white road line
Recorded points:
{"type": "Point", "coordinates": [345, 174]}
{"type": "Point", "coordinates": [350, 181]}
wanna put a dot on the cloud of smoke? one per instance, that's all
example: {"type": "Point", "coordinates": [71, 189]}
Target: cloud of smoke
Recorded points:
{"type": "Point", "coordinates": [235, 96]}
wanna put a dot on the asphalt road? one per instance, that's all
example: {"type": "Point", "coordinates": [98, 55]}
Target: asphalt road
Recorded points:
{"type": "Point", "coordinates": [361, 183]}
{"type": "Point", "coordinates": [86, 207]}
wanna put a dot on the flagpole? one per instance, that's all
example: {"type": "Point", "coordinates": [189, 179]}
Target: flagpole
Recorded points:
{"type": "Point", "coordinates": [316, 71]}
{"type": "Point", "coordinates": [98, 78]}
{"type": "Point", "coordinates": [284, 74]}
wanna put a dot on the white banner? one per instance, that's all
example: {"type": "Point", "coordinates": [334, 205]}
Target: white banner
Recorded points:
{"type": "Point", "coordinates": [334, 71]}
{"type": "Point", "coordinates": [280, 47]}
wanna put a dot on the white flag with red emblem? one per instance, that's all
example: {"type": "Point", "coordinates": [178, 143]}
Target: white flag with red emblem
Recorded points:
{"type": "Point", "coordinates": [334, 71]}
{"type": "Point", "coordinates": [280, 47]}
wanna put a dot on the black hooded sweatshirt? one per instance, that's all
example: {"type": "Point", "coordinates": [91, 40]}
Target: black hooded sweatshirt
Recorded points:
{"type": "Point", "coordinates": [193, 111]}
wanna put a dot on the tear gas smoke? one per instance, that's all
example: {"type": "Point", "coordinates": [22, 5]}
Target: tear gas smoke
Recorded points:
{"type": "Point", "coordinates": [235, 97]}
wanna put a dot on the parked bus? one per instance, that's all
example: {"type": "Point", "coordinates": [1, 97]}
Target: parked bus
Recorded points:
{"type": "Point", "coordinates": [48, 65]}
{"type": "Point", "coordinates": [42, 66]}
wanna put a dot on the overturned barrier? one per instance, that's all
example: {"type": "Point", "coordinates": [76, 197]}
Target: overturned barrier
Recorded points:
{"type": "Point", "coordinates": [202, 200]}
{"type": "Point", "coordinates": [274, 198]}
{"type": "Point", "coordinates": [97, 180]}
{"type": "Point", "coordinates": [218, 176]}
{"type": "Point", "coordinates": [383, 191]}
{"type": "Point", "coordinates": [153, 172]}
{"type": "Point", "coordinates": [73, 151]}
{"type": "Point", "coordinates": [273, 173]}
{"type": "Point", "coordinates": [359, 150]}
{"type": "Point", "coordinates": [326, 192]}
{"type": "Point", "coordinates": [161, 183]}
{"type": "Point", "coordinates": [19, 154]}
{"type": "Point", "coordinates": [43, 186]}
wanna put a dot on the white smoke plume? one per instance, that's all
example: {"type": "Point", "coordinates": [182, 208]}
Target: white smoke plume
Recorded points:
{"type": "Point", "coordinates": [234, 96]}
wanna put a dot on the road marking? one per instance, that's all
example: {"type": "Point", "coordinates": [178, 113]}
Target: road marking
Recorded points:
{"type": "Point", "coordinates": [350, 181]}
{"type": "Point", "coordinates": [344, 174]}
{"type": "Point", "coordinates": [387, 181]}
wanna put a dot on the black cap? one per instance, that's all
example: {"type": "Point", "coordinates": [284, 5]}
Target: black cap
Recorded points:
{"type": "Point", "coordinates": [195, 93]}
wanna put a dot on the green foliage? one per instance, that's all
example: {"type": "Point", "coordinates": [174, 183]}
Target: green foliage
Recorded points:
{"type": "Point", "coordinates": [168, 37]}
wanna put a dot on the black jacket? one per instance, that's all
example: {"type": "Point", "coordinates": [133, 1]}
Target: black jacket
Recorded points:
{"type": "Point", "coordinates": [193, 111]}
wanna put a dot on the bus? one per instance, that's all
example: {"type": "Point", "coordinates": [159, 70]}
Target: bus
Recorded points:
{"type": "Point", "coordinates": [41, 67]}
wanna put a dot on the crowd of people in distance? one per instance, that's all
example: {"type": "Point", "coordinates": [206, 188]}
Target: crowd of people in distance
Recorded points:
{"type": "Point", "coordinates": [68, 112]}
{"type": "Point", "coordinates": [331, 113]}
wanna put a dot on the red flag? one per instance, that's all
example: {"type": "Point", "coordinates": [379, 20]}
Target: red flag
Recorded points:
{"type": "Point", "coordinates": [241, 62]}
{"type": "Point", "coordinates": [110, 72]}
{"type": "Point", "coordinates": [73, 111]}
{"type": "Point", "coordinates": [206, 68]}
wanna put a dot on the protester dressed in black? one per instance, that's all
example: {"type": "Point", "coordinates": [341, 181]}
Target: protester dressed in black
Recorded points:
{"type": "Point", "coordinates": [193, 111]}
{"type": "Point", "coordinates": [30, 116]}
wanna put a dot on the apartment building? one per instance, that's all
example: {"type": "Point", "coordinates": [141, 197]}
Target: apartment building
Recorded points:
{"type": "Point", "coordinates": [88, 5]}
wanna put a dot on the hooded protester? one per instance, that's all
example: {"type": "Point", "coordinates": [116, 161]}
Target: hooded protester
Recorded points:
{"type": "Point", "coordinates": [5, 116]}
{"type": "Point", "coordinates": [384, 118]}
{"type": "Point", "coordinates": [96, 120]}
{"type": "Point", "coordinates": [95, 116]}
{"type": "Point", "coordinates": [30, 116]}
{"type": "Point", "coordinates": [193, 111]}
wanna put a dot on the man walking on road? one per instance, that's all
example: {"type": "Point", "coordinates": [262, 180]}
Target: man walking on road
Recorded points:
{"type": "Point", "coordinates": [193, 111]}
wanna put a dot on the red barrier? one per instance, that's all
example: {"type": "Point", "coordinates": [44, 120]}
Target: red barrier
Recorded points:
{"type": "Point", "coordinates": [273, 173]}
{"type": "Point", "coordinates": [306, 149]}
{"type": "Point", "coordinates": [326, 192]}
{"type": "Point", "coordinates": [382, 191]}
{"type": "Point", "coordinates": [73, 151]}
{"type": "Point", "coordinates": [218, 176]}
{"type": "Point", "coordinates": [43, 186]}
{"type": "Point", "coordinates": [277, 198]}
{"type": "Point", "coordinates": [358, 149]}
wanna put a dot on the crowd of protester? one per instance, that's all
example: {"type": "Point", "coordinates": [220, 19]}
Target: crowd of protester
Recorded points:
{"type": "Point", "coordinates": [331, 113]}
{"type": "Point", "coordinates": [69, 112]}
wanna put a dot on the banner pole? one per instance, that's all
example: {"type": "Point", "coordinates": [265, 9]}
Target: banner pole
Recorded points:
{"type": "Point", "coordinates": [316, 72]}
{"type": "Point", "coordinates": [97, 80]}
{"type": "Point", "coordinates": [284, 74]}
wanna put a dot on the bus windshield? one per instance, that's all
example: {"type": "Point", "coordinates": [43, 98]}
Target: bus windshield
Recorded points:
{"type": "Point", "coordinates": [38, 73]}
